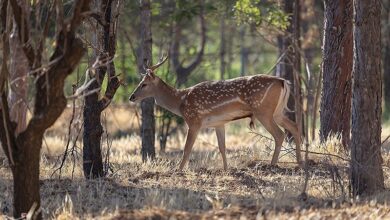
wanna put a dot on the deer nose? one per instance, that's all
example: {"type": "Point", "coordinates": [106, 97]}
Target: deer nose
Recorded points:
{"type": "Point", "coordinates": [132, 98]}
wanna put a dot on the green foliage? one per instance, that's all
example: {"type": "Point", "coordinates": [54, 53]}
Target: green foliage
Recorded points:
{"type": "Point", "coordinates": [258, 13]}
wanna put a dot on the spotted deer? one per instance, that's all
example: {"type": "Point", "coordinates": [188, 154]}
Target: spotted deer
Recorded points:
{"type": "Point", "coordinates": [213, 104]}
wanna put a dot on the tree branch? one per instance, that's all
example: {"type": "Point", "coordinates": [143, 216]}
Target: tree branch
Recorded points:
{"type": "Point", "coordinates": [183, 72]}
{"type": "Point", "coordinates": [24, 32]}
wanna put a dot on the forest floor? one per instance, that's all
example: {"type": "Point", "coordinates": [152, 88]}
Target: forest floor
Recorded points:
{"type": "Point", "coordinates": [249, 189]}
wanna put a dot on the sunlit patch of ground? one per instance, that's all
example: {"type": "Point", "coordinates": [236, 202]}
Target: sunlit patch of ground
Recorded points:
{"type": "Point", "coordinates": [250, 189]}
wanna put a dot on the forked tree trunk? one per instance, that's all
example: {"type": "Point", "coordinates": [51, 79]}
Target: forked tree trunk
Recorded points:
{"type": "Point", "coordinates": [337, 71]}
{"type": "Point", "coordinates": [23, 149]}
{"type": "Point", "coordinates": [366, 158]}
{"type": "Point", "coordinates": [147, 105]}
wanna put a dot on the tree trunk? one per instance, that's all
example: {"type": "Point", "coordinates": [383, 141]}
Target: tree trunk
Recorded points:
{"type": "Point", "coordinates": [26, 176]}
{"type": "Point", "coordinates": [366, 158]}
{"type": "Point", "coordinates": [93, 129]}
{"type": "Point", "coordinates": [386, 59]}
{"type": "Point", "coordinates": [288, 61]}
{"type": "Point", "coordinates": [337, 71]}
{"type": "Point", "coordinates": [147, 105]}
{"type": "Point", "coordinates": [23, 150]}
{"type": "Point", "coordinates": [182, 72]}
{"type": "Point", "coordinates": [297, 69]}
{"type": "Point", "coordinates": [243, 51]}
{"type": "Point", "coordinates": [18, 78]}
{"type": "Point", "coordinates": [222, 50]}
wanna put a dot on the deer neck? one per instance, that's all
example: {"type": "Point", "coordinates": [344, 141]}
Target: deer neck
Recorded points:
{"type": "Point", "coordinates": [169, 97]}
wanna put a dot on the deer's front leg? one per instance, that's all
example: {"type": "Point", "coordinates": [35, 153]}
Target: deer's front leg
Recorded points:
{"type": "Point", "coordinates": [191, 136]}
{"type": "Point", "coordinates": [220, 131]}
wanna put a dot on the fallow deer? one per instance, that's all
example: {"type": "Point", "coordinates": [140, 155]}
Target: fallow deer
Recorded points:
{"type": "Point", "coordinates": [213, 104]}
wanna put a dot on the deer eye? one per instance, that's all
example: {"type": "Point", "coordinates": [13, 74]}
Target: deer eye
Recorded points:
{"type": "Point", "coordinates": [143, 85]}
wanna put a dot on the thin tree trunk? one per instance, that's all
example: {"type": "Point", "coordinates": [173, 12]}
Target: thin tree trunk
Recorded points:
{"type": "Point", "coordinates": [18, 78]}
{"type": "Point", "coordinates": [288, 60]}
{"type": "Point", "coordinates": [366, 158]}
{"type": "Point", "coordinates": [147, 105]}
{"type": "Point", "coordinates": [243, 51]}
{"type": "Point", "coordinates": [337, 71]}
{"type": "Point", "coordinates": [297, 69]}
{"type": "Point", "coordinates": [222, 50]}
{"type": "Point", "coordinates": [386, 59]}
{"type": "Point", "coordinates": [105, 38]}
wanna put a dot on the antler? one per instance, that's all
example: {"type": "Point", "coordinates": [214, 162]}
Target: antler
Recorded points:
{"type": "Point", "coordinates": [161, 62]}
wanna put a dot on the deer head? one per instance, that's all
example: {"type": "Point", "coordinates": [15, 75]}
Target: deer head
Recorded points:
{"type": "Point", "coordinates": [148, 85]}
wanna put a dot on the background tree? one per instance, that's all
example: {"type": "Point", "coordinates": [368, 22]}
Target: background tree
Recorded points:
{"type": "Point", "coordinates": [104, 52]}
{"type": "Point", "coordinates": [147, 105]}
{"type": "Point", "coordinates": [366, 158]}
{"type": "Point", "coordinates": [23, 149]}
{"type": "Point", "coordinates": [337, 71]}
{"type": "Point", "coordinates": [182, 72]}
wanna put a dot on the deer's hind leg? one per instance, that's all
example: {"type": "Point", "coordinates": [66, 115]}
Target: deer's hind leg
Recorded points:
{"type": "Point", "coordinates": [220, 131]}
{"type": "Point", "coordinates": [292, 127]}
{"type": "Point", "coordinates": [269, 124]}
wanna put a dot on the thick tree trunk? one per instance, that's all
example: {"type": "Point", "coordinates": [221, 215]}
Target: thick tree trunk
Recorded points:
{"type": "Point", "coordinates": [26, 176]}
{"type": "Point", "coordinates": [366, 158]}
{"type": "Point", "coordinates": [147, 105]}
{"type": "Point", "coordinates": [23, 150]}
{"type": "Point", "coordinates": [337, 71]}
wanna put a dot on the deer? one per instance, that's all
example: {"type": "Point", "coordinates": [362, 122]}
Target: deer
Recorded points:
{"type": "Point", "coordinates": [212, 104]}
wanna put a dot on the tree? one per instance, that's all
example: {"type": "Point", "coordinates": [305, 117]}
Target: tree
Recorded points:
{"type": "Point", "coordinates": [18, 78]}
{"type": "Point", "coordinates": [386, 58]}
{"type": "Point", "coordinates": [182, 72]}
{"type": "Point", "coordinates": [23, 149]}
{"type": "Point", "coordinates": [147, 105]}
{"type": "Point", "coordinates": [289, 67]}
{"type": "Point", "coordinates": [337, 71]}
{"type": "Point", "coordinates": [105, 36]}
{"type": "Point", "coordinates": [366, 158]}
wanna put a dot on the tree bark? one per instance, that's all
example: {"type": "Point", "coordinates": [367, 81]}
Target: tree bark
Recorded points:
{"type": "Point", "coordinates": [147, 105]}
{"type": "Point", "coordinates": [286, 66]}
{"type": "Point", "coordinates": [18, 78]}
{"type": "Point", "coordinates": [337, 71]}
{"type": "Point", "coordinates": [94, 105]}
{"type": "Point", "coordinates": [366, 158]}
{"type": "Point", "coordinates": [23, 150]}
{"type": "Point", "coordinates": [386, 59]}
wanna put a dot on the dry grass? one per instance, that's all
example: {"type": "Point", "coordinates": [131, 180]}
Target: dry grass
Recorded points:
{"type": "Point", "coordinates": [250, 189]}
